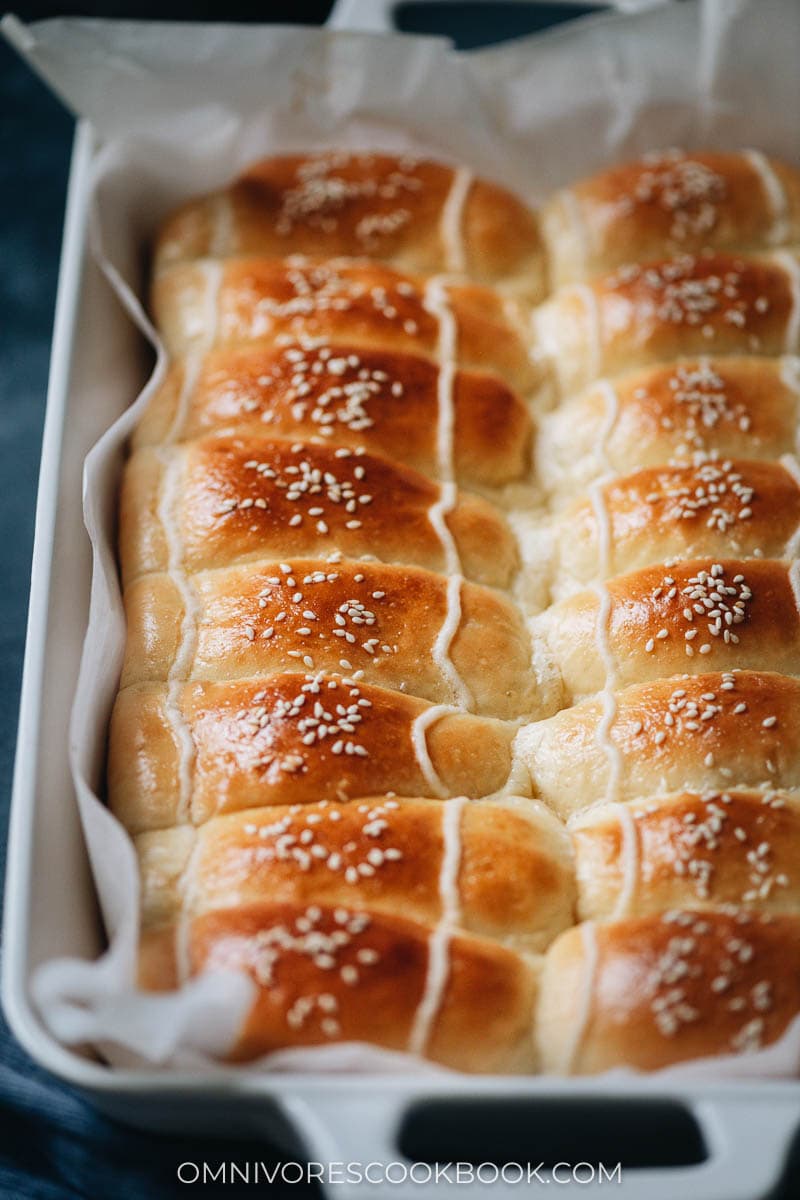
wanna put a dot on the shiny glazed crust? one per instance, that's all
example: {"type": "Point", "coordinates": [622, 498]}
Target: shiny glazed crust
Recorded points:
{"type": "Point", "coordinates": [651, 991]}
{"type": "Point", "coordinates": [670, 203]}
{"type": "Point", "coordinates": [359, 397]}
{"type": "Point", "coordinates": [271, 301]}
{"type": "Point", "coordinates": [312, 615]}
{"type": "Point", "coordinates": [689, 849]}
{"type": "Point", "coordinates": [736, 407]}
{"type": "Point", "coordinates": [292, 739]}
{"type": "Point", "coordinates": [642, 314]}
{"type": "Point", "coordinates": [238, 500]}
{"type": "Point", "coordinates": [514, 883]}
{"type": "Point", "coordinates": [363, 206]}
{"type": "Point", "coordinates": [709, 731]}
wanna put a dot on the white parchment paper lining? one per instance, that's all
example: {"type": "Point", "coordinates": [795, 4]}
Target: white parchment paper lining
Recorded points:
{"type": "Point", "coordinates": [179, 109]}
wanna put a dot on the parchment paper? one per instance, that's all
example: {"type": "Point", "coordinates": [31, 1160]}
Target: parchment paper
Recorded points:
{"type": "Point", "coordinates": [182, 108]}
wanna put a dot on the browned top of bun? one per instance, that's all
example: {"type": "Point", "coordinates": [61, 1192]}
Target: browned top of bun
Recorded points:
{"type": "Point", "coordinates": [273, 301]}
{"type": "Point", "coordinates": [675, 201]}
{"type": "Point", "coordinates": [380, 206]}
{"type": "Point", "coordinates": [383, 401]}
{"type": "Point", "coordinates": [670, 987]}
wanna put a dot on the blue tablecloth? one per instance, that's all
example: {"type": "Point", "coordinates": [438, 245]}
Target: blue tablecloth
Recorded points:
{"type": "Point", "coordinates": [53, 1145]}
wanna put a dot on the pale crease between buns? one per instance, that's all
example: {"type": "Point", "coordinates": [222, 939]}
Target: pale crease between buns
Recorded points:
{"type": "Point", "coordinates": [651, 991]}
{"type": "Point", "coordinates": [711, 731]}
{"type": "Point", "coordinates": [713, 507]}
{"type": "Point", "coordinates": [291, 739]}
{"type": "Point", "coordinates": [381, 401]}
{"type": "Point", "coordinates": [695, 849]}
{"type": "Point", "coordinates": [270, 301]}
{"type": "Point", "coordinates": [739, 407]}
{"type": "Point", "coordinates": [669, 203]}
{"type": "Point", "coordinates": [643, 314]}
{"type": "Point", "coordinates": [514, 882]}
{"type": "Point", "coordinates": [362, 205]}
{"type": "Point", "coordinates": [240, 500]}
{"type": "Point", "coordinates": [696, 616]}
{"type": "Point", "coordinates": [389, 622]}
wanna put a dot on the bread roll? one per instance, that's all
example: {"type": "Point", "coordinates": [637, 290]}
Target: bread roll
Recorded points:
{"type": "Point", "coordinates": [711, 507]}
{"type": "Point", "coordinates": [384, 402]}
{"type": "Point", "coordinates": [721, 304]}
{"type": "Point", "coordinates": [404, 628]}
{"type": "Point", "coordinates": [699, 849]}
{"type": "Point", "coordinates": [418, 215]}
{"type": "Point", "coordinates": [222, 501]}
{"type": "Point", "coordinates": [713, 731]}
{"type": "Point", "coordinates": [289, 739]}
{"type": "Point", "coordinates": [325, 975]}
{"type": "Point", "coordinates": [209, 304]}
{"type": "Point", "coordinates": [514, 882]}
{"type": "Point", "coordinates": [653, 991]}
{"type": "Point", "coordinates": [670, 202]}
{"type": "Point", "coordinates": [735, 408]}
{"type": "Point", "coordinates": [696, 616]}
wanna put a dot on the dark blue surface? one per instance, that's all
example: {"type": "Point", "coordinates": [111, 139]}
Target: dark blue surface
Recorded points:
{"type": "Point", "coordinates": [53, 1146]}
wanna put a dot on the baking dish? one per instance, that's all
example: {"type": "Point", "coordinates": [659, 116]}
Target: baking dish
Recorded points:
{"type": "Point", "coordinates": [50, 909]}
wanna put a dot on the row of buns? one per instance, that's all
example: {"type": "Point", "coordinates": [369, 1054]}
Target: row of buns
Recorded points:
{"type": "Point", "coordinates": [429, 218]}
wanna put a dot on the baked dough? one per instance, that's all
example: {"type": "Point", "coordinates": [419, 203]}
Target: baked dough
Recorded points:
{"type": "Point", "coordinates": [655, 312]}
{"type": "Point", "coordinates": [712, 731]}
{"type": "Point", "coordinates": [380, 401]}
{"type": "Point", "coordinates": [358, 762]}
{"type": "Point", "coordinates": [273, 301]}
{"type": "Point", "coordinates": [326, 974]}
{"type": "Point", "coordinates": [670, 202]}
{"type": "Point", "coordinates": [289, 739]}
{"type": "Point", "coordinates": [735, 848]}
{"type": "Point", "coordinates": [696, 616]}
{"type": "Point", "coordinates": [418, 215]}
{"type": "Point", "coordinates": [652, 991]}
{"type": "Point", "coordinates": [735, 407]}
{"type": "Point", "coordinates": [235, 500]}
{"type": "Point", "coordinates": [711, 507]}
{"type": "Point", "coordinates": [514, 883]}
{"type": "Point", "coordinates": [404, 628]}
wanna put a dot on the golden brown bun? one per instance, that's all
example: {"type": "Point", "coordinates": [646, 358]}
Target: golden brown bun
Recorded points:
{"type": "Point", "coordinates": [712, 507]}
{"type": "Point", "coordinates": [364, 206]}
{"type": "Point", "coordinates": [668, 203]}
{"type": "Point", "coordinates": [340, 974]}
{"type": "Point", "coordinates": [696, 616]}
{"type": "Point", "coordinates": [514, 882]}
{"type": "Point", "coordinates": [238, 500]}
{"type": "Point", "coordinates": [291, 739]}
{"type": "Point", "coordinates": [384, 402]}
{"type": "Point", "coordinates": [699, 732]}
{"type": "Point", "coordinates": [704, 850]}
{"type": "Point", "coordinates": [383, 620]}
{"type": "Point", "coordinates": [657, 990]}
{"type": "Point", "coordinates": [721, 304]}
{"type": "Point", "coordinates": [736, 407]}
{"type": "Point", "coordinates": [270, 301]}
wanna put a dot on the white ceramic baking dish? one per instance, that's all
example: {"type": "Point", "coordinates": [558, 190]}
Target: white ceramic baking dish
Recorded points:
{"type": "Point", "coordinates": [50, 908]}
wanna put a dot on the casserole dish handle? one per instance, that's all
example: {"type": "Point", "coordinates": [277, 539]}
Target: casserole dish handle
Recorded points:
{"type": "Point", "coordinates": [747, 1139]}
{"type": "Point", "coordinates": [377, 16]}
